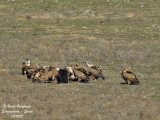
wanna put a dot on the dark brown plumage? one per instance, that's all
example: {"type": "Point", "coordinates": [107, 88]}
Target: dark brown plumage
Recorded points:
{"type": "Point", "coordinates": [32, 71]}
{"type": "Point", "coordinates": [26, 68]}
{"type": "Point", "coordinates": [129, 77]}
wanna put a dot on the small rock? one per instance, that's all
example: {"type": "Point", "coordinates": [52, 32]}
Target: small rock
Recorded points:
{"type": "Point", "coordinates": [71, 13]}
{"type": "Point", "coordinates": [88, 12]}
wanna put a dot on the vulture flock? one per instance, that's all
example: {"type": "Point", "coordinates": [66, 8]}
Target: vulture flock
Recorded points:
{"type": "Point", "coordinates": [73, 72]}
{"type": "Point", "coordinates": [78, 73]}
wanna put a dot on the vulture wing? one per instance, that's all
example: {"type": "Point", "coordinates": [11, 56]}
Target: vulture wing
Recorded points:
{"type": "Point", "coordinates": [131, 76]}
{"type": "Point", "coordinates": [79, 74]}
{"type": "Point", "coordinates": [96, 73]}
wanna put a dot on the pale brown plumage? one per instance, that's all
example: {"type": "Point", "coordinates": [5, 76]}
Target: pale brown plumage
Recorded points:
{"type": "Point", "coordinates": [71, 74]}
{"type": "Point", "coordinates": [45, 77]}
{"type": "Point", "coordinates": [82, 77]}
{"type": "Point", "coordinates": [129, 77]}
{"type": "Point", "coordinates": [96, 73]}
{"type": "Point", "coordinates": [93, 72]}
{"type": "Point", "coordinates": [42, 76]}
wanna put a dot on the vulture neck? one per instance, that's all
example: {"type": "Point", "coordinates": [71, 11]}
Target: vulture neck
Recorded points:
{"type": "Point", "coordinates": [88, 65]}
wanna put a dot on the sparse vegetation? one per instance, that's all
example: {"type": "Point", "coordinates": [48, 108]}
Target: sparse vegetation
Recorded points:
{"type": "Point", "coordinates": [112, 34]}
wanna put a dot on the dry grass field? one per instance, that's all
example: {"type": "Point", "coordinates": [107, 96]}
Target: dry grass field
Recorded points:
{"type": "Point", "coordinates": [113, 34]}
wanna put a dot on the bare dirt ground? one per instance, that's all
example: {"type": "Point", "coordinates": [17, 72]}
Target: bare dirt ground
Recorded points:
{"type": "Point", "coordinates": [111, 34]}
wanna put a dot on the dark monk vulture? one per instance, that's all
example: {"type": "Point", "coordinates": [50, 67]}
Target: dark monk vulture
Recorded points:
{"type": "Point", "coordinates": [129, 77]}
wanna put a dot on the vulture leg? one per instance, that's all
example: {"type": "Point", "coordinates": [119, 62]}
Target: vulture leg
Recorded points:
{"type": "Point", "coordinates": [129, 82]}
{"type": "Point", "coordinates": [79, 79]}
{"type": "Point", "coordinates": [93, 77]}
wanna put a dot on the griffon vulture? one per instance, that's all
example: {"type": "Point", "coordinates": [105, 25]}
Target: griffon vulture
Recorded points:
{"type": "Point", "coordinates": [82, 77]}
{"type": "Point", "coordinates": [129, 77]}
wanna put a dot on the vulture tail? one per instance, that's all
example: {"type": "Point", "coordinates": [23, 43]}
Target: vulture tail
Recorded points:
{"type": "Point", "coordinates": [103, 77]}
